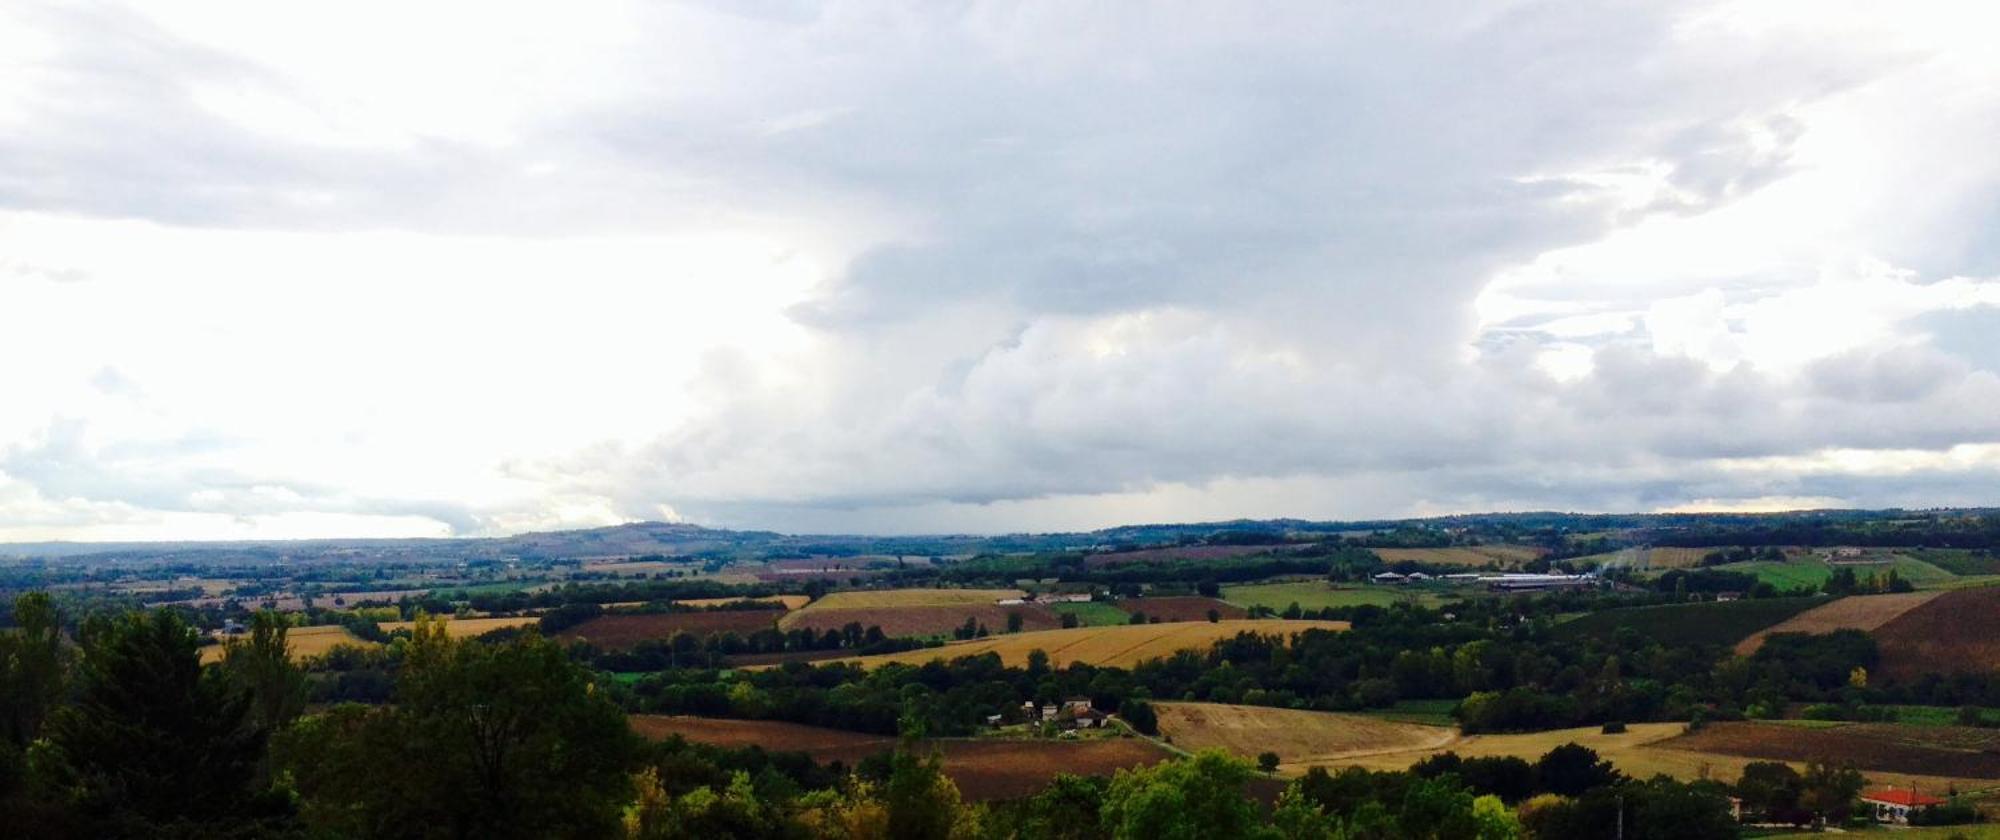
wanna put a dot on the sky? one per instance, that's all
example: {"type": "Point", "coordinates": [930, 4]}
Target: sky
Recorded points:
{"type": "Point", "coordinates": [278, 270]}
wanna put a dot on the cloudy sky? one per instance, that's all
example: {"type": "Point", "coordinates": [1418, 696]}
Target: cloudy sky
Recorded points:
{"type": "Point", "coordinates": [285, 270]}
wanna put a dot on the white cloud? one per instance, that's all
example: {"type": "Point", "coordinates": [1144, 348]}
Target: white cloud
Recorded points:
{"type": "Point", "coordinates": [275, 271]}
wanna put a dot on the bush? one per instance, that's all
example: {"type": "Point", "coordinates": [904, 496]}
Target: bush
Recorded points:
{"type": "Point", "coordinates": [1613, 727]}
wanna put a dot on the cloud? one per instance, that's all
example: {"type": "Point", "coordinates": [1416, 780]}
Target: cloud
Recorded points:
{"type": "Point", "coordinates": [832, 267]}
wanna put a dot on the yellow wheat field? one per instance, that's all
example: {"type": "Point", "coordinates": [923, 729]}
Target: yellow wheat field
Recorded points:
{"type": "Point", "coordinates": [1118, 646]}
{"type": "Point", "coordinates": [460, 628]}
{"type": "Point", "coordinates": [302, 642]}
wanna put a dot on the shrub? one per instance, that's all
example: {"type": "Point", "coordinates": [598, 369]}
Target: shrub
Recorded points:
{"type": "Point", "coordinates": [1613, 727]}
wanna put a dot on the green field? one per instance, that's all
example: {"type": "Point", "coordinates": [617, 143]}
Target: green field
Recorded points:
{"type": "Point", "coordinates": [1813, 572]}
{"type": "Point", "coordinates": [1093, 613]}
{"type": "Point", "coordinates": [1958, 561]}
{"type": "Point", "coordinates": [1426, 712]}
{"type": "Point", "coordinates": [1317, 594]}
{"type": "Point", "coordinates": [1711, 623]}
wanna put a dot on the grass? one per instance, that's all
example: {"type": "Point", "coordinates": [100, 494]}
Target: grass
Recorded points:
{"type": "Point", "coordinates": [1316, 594]}
{"type": "Point", "coordinates": [1093, 613]}
{"type": "Point", "coordinates": [1811, 572]}
{"type": "Point", "coordinates": [1958, 561]}
{"type": "Point", "coordinates": [1296, 735]}
{"type": "Point", "coordinates": [1426, 712]}
{"type": "Point", "coordinates": [1113, 647]}
{"type": "Point", "coordinates": [1711, 623]}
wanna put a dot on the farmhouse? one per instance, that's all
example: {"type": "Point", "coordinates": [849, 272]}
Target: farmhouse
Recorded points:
{"type": "Point", "coordinates": [1893, 805]}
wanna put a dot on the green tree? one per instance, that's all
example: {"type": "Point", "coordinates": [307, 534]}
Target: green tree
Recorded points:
{"type": "Point", "coordinates": [1493, 820]}
{"type": "Point", "coordinates": [262, 665]}
{"type": "Point", "coordinates": [1014, 621]}
{"type": "Point", "coordinates": [1066, 809]}
{"type": "Point", "coordinates": [1189, 799]}
{"type": "Point", "coordinates": [1571, 769]}
{"type": "Point", "coordinates": [1829, 791]}
{"type": "Point", "coordinates": [1267, 762]}
{"type": "Point", "coordinates": [923, 802]}
{"type": "Point", "coordinates": [155, 744]}
{"type": "Point", "coordinates": [1770, 787]}
{"type": "Point", "coordinates": [34, 668]}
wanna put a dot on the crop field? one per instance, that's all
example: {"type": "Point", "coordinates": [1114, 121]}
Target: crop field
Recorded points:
{"type": "Point", "coordinates": [1713, 623]}
{"type": "Point", "coordinates": [623, 631]}
{"type": "Point", "coordinates": [1956, 631]}
{"type": "Point", "coordinates": [923, 621]}
{"type": "Point", "coordinates": [1958, 561]}
{"type": "Point", "coordinates": [791, 602]}
{"type": "Point", "coordinates": [1180, 608]}
{"type": "Point", "coordinates": [1475, 556]}
{"type": "Point", "coordinates": [1955, 752]}
{"type": "Point", "coordinates": [877, 599]}
{"type": "Point", "coordinates": [984, 769]}
{"type": "Point", "coordinates": [460, 628]}
{"type": "Point", "coordinates": [1092, 613]}
{"type": "Point", "coordinates": [303, 642]}
{"type": "Point", "coordinates": [1318, 594]}
{"type": "Point", "coordinates": [1296, 735]}
{"type": "Point", "coordinates": [1180, 552]}
{"type": "Point", "coordinates": [1426, 712]}
{"type": "Point", "coordinates": [1118, 647]}
{"type": "Point", "coordinates": [1859, 612]}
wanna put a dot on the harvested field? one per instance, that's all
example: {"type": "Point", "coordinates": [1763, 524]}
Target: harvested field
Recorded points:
{"type": "Point", "coordinates": [459, 628]}
{"type": "Point", "coordinates": [983, 768]}
{"type": "Point", "coordinates": [1644, 750]}
{"type": "Point", "coordinates": [925, 621]}
{"type": "Point", "coordinates": [1858, 612]}
{"type": "Point", "coordinates": [791, 602]}
{"type": "Point", "coordinates": [876, 599]}
{"type": "Point", "coordinates": [302, 642]}
{"type": "Point", "coordinates": [623, 631]}
{"type": "Point", "coordinates": [1181, 552]}
{"type": "Point", "coordinates": [1297, 736]}
{"type": "Point", "coordinates": [1882, 747]}
{"type": "Point", "coordinates": [1180, 608]}
{"type": "Point", "coordinates": [1475, 556]}
{"type": "Point", "coordinates": [1115, 647]}
{"type": "Point", "coordinates": [1958, 631]}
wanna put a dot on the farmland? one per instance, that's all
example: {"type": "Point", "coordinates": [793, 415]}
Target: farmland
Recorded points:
{"type": "Point", "coordinates": [1953, 752]}
{"type": "Point", "coordinates": [618, 631]}
{"type": "Point", "coordinates": [304, 642]}
{"type": "Point", "coordinates": [1179, 552]}
{"type": "Point", "coordinates": [1092, 613]}
{"type": "Point", "coordinates": [463, 627]}
{"type": "Point", "coordinates": [880, 599]}
{"type": "Point", "coordinates": [1478, 556]}
{"type": "Point", "coordinates": [1861, 612]}
{"type": "Point", "coordinates": [1180, 608]}
{"type": "Point", "coordinates": [790, 602]}
{"type": "Point", "coordinates": [1714, 623]}
{"type": "Point", "coordinates": [1121, 647]}
{"type": "Point", "coordinates": [1297, 736]}
{"type": "Point", "coordinates": [984, 769]}
{"type": "Point", "coordinates": [924, 620]}
{"type": "Point", "coordinates": [1318, 594]}
{"type": "Point", "coordinates": [1956, 631]}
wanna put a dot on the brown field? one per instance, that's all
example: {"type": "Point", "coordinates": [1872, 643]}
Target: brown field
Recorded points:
{"type": "Point", "coordinates": [302, 642]}
{"type": "Point", "coordinates": [925, 621]}
{"type": "Point", "coordinates": [1883, 748]}
{"type": "Point", "coordinates": [1117, 647]}
{"type": "Point", "coordinates": [791, 602]}
{"type": "Point", "coordinates": [1956, 631]}
{"type": "Point", "coordinates": [1180, 608]}
{"type": "Point", "coordinates": [1297, 736]}
{"type": "Point", "coordinates": [1181, 552]}
{"type": "Point", "coordinates": [623, 631]}
{"type": "Point", "coordinates": [875, 599]}
{"type": "Point", "coordinates": [459, 628]}
{"type": "Point", "coordinates": [1858, 612]}
{"type": "Point", "coordinates": [983, 768]}
{"type": "Point", "coordinates": [1474, 556]}
{"type": "Point", "coordinates": [1643, 750]}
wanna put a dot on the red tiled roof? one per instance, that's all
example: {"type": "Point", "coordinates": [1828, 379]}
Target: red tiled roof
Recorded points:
{"type": "Point", "coordinates": [1901, 796]}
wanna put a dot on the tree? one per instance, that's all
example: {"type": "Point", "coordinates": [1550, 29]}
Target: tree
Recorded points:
{"type": "Point", "coordinates": [923, 803]}
{"type": "Point", "coordinates": [1214, 616]}
{"type": "Point", "coordinates": [1829, 791]}
{"type": "Point", "coordinates": [1069, 620]}
{"type": "Point", "coordinates": [1267, 761]}
{"type": "Point", "coordinates": [1189, 799]}
{"type": "Point", "coordinates": [1493, 820]}
{"type": "Point", "coordinates": [263, 667]}
{"type": "Point", "coordinates": [1209, 588]}
{"type": "Point", "coordinates": [1139, 714]}
{"type": "Point", "coordinates": [34, 667]}
{"type": "Point", "coordinates": [154, 742]}
{"type": "Point", "coordinates": [1772, 788]}
{"type": "Point", "coordinates": [1571, 769]}
{"type": "Point", "coordinates": [483, 740]}
{"type": "Point", "coordinates": [1013, 621]}
{"type": "Point", "coordinates": [1066, 809]}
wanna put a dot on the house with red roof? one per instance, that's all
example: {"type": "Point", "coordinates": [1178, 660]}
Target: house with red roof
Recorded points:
{"type": "Point", "coordinates": [1893, 805]}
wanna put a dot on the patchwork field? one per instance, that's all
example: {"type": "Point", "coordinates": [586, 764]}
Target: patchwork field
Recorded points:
{"type": "Point", "coordinates": [1649, 748]}
{"type": "Point", "coordinates": [1318, 594]}
{"type": "Point", "coordinates": [1860, 612]}
{"type": "Point", "coordinates": [1120, 647]}
{"type": "Point", "coordinates": [1958, 630]}
{"type": "Point", "coordinates": [872, 599]}
{"type": "Point", "coordinates": [1708, 622]}
{"type": "Point", "coordinates": [302, 642]}
{"type": "Point", "coordinates": [623, 631]}
{"type": "Point", "coordinates": [459, 628]}
{"type": "Point", "coordinates": [1956, 752]}
{"type": "Point", "coordinates": [791, 602]}
{"type": "Point", "coordinates": [984, 768]}
{"type": "Point", "coordinates": [1180, 608]}
{"type": "Point", "coordinates": [1476, 556]}
{"type": "Point", "coordinates": [924, 621]}
{"type": "Point", "coordinates": [1296, 735]}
